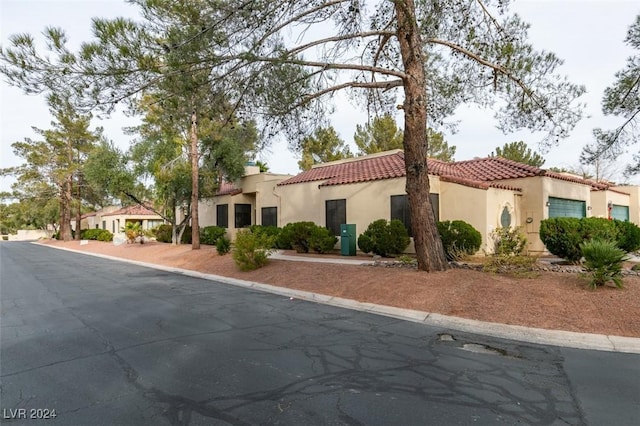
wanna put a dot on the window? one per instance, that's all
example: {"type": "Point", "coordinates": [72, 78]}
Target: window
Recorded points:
{"type": "Point", "coordinates": [113, 227]}
{"type": "Point", "coordinates": [104, 224]}
{"type": "Point", "coordinates": [400, 209]}
{"type": "Point", "coordinates": [222, 215]}
{"type": "Point", "coordinates": [242, 215]}
{"type": "Point", "coordinates": [505, 217]}
{"type": "Point", "coordinates": [154, 223]}
{"type": "Point", "coordinates": [336, 214]}
{"type": "Point", "coordinates": [269, 216]}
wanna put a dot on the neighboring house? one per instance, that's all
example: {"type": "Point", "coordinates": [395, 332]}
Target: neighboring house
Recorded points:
{"type": "Point", "coordinates": [93, 220]}
{"type": "Point", "coordinates": [248, 201]}
{"type": "Point", "coordinates": [487, 193]}
{"type": "Point", "coordinates": [114, 218]}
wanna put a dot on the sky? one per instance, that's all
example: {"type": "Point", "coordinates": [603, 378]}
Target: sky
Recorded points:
{"type": "Point", "coordinates": [588, 35]}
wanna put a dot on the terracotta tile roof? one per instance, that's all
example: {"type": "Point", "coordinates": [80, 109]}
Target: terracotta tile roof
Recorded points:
{"type": "Point", "coordinates": [135, 210]}
{"type": "Point", "coordinates": [228, 188]}
{"type": "Point", "coordinates": [479, 173]}
{"type": "Point", "coordinates": [479, 184]}
{"type": "Point", "coordinates": [364, 170]}
{"type": "Point", "coordinates": [86, 215]}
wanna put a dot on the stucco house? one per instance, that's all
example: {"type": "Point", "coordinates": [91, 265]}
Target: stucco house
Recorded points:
{"type": "Point", "coordinates": [487, 193]}
{"type": "Point", "coordinates": [249, 200]}
{"type": "Point", "coordinates": [114, 218]}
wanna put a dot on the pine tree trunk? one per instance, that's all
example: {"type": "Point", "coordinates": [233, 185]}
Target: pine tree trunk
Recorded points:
{"type": "Point", "coordinates": [195, 226]}
{"type": "Point", "coordinates": [78, 211]}
{"type": "Point", "coordinates": [428, 245]}
{"type": "Point", "coordinates": [65, 211]}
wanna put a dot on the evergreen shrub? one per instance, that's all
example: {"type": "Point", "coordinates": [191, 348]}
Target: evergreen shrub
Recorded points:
{"type": "Point", "coordinates": [459, 238]}
{"type": "Point", "coordinates": [384, 238]}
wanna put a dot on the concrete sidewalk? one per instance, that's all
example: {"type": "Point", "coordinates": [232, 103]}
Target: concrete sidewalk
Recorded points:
{"type": "Point", "coordinates": [347, 260]}
{"type": "Point", "coordinates": [562, 338]}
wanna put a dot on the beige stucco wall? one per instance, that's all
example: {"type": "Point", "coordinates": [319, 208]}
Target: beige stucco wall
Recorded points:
{"type": "Point", "coordinates": [600, 202]}
{"type": "Point", "coordinates": [29, 234]}
{"type": "Point", "coordinates": [257, 190]}
{"type": "Point", "coordinates": [536, 191]}
{"type": "Point", "coordinates": [366, 201]}
{"type": "Point", "coordinates": [479, 207]}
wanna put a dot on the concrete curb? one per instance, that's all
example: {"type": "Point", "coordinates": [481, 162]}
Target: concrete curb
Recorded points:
{"type": "Point", "coordinates": [568, 339]}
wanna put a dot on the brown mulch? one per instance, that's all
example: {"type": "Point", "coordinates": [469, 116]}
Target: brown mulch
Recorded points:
{"type": "Point", "coordinates": [552, 300]}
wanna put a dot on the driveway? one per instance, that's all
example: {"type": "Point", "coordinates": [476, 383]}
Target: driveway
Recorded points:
{"type": "Point", "coordinates": [105, 342]}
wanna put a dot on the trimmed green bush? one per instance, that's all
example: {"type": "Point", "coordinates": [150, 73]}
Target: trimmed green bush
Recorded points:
{"type": "Point", "coordinates": [603, 262]}
{"type": "Point", "coordinates": [305, 236]}
{"type": "Point", "coordinates": [270, 231]}
{"type": "Point", "coordinates": [210, 234]}
{"type": "Point", "coordinates": [321, 240]}
{"type": "Point", "coordinates": [459, 238]}
{"type": "Point", "coordinates": [296, 236]}
{"type": "Point", "coordinates": [251, 251]}
{"type": "Point", "coordinates": [163, 233]}
{"type": "Point", "coordinates": [384, 238]}
{"type": "Point", "coordinates": [563, 235]}
{"type": "Point", "coordinates": [628, 236]}
{"type": "Point", "coordinates": [96, 234]}
{"type": "Point", "coordinates": [223, 245]}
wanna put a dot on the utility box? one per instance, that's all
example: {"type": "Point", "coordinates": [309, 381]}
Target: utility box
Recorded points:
{"type": "Point", "coordinates": [348, 239]}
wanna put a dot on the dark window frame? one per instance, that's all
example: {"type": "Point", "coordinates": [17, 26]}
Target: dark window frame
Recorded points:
{"type": "Point", "coordinates": [400, 209]}
{"type": "Point", "coordinates": [242, 215]}
{"type": "Point", "coordinates": [269, 216]}
{"type": "Point", "coordinates": [222, 215]}
{"type": "Point", "coordinates": [335, 214]}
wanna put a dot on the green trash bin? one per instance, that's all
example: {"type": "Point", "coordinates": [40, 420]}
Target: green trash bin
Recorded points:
{"type": "Point", "coordinates": [348, 239]}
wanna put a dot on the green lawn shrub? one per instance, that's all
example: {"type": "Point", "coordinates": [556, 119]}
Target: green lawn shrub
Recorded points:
{"type": "Point", "coordinates": [628, 235]}
{"type": "Point", "coordinates": [603, 262]}
{"type": "Point", "coordinates": [270, 231]}
{"type": "Point", "coordinates": [96, 234]}
{"type": "Point", "coordinates": [251, 251]}
{"type": "Point", "coordinates": [223, 245]}
{"type": "Point", "coordinates": [321, 240]}
{"type": "Point", "coordinates": [563, 235]}
{"type": "Point", "coordinates": [459, 238]}
{"type": "Point", "coordinates": [384, 238]}
{"type": "Point", "coordinates": [305, 236]}
{"type": "Point", "coordinates": [209, 234]}
{"type": "Point", "coordinates": [163, 233]}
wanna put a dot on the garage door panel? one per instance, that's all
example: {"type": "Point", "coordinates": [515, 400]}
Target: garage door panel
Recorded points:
{"type": "Point", "coordinates": [563, 207]}
{"type": "Point", "coordinates": [620, 212]}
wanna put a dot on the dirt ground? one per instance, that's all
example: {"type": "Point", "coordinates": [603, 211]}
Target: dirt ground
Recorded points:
{"type": "Point", "coordinates": [559, 301]}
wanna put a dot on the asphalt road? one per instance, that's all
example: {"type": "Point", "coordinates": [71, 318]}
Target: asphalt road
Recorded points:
{"type": "Point", "coordinates": [109, 343]}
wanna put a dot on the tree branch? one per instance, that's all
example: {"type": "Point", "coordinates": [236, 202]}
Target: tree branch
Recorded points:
{"type": "Point", "coordinates": [497, 68]}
